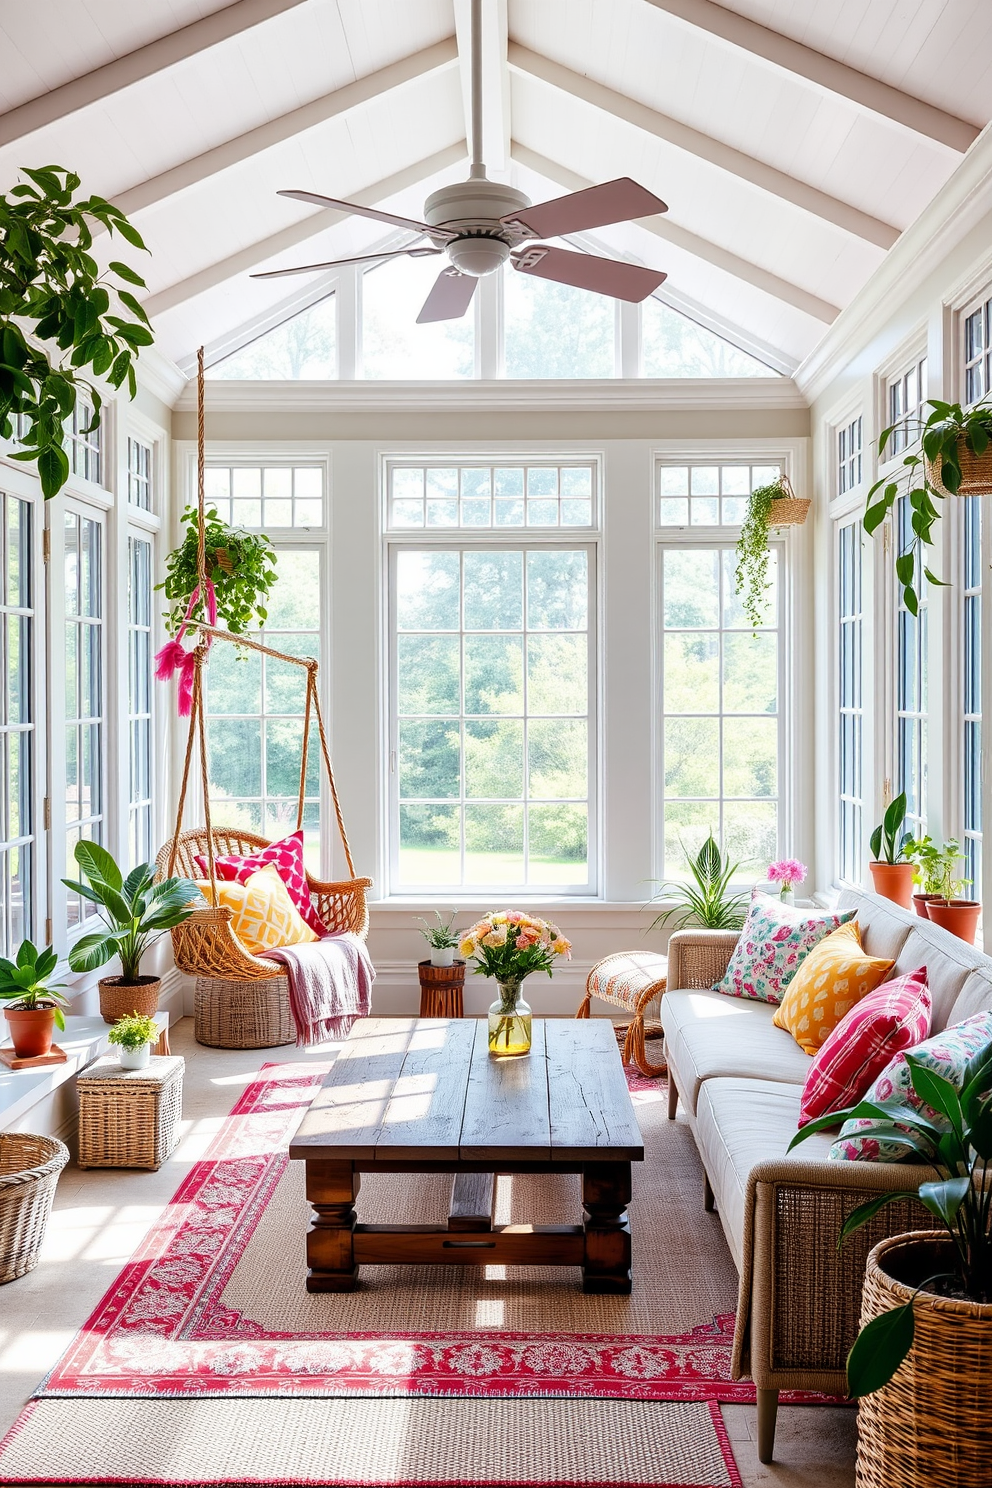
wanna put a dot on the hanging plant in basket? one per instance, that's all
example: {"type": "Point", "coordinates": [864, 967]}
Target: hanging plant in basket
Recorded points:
{"type": "Point", "coordinates": [774, 505]}
{"type": "Point", "coordinates": [954, 458]}
{"type": "Point", "coordinates": [240, 568]}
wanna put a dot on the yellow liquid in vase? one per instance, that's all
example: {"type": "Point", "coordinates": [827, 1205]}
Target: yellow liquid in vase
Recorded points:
{"type": "Point", "coordinates": [509, 1033]}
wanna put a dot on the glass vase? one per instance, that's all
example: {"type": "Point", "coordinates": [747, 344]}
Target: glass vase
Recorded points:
{"type": "Point", "coordinates": [787, 894]}
{"type": "Point", "coordinates": [509, 1022]}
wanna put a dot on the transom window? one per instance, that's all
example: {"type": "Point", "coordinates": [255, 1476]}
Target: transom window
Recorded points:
{"type": "Point", "coordinates": [978, 353]}
{"type": "Point", "coordinates": [849, 456]}
{"type": "Point", "coordinates": [84, 696]}
{"type": "Point", "coordinates": [139, 474]}
{"type": "Point", "coordinates": [907, 394]}
{"type": "Point", "coordinates": [511, 495]}
{"type": "Point", "coordinates": [17, 728]}
{"type": "Point", "coordinates": [85, 442]}
{"type": "Point", "coordinates": [266, 496]}
{"type": "Point", "coordinates": [709, 495]}
{"type": "Point", "coordinates": [851, 702]}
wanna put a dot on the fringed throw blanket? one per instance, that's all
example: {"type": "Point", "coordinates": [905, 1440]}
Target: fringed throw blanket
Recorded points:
{"type": "Point", "coordinates": [330, 985]}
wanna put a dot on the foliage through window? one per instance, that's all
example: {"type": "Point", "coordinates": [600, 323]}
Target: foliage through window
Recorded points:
{"type": "Point", "coordinates": [85, 735]}
{"type": "Point", "coordinates": [850, 540]}
{"type": "Point", "coordinates": [304, 347]}
{"type": "Point", "coordinates": [511, 495]}
{"type": "Point", "coordinates": [672, 345]}
{"type": "Point", "coordinates": [553, 330]}
{"type": "Point", "coordinates": [17, 727]}
{"type": "Point", "coordinates": [266, 496]}
{"type": "Point", "coordinates": [709, 495]}
{"type": "Point", "coordinates": [393, 345]}
{"type": "Point", "coordinates": [139, 696]}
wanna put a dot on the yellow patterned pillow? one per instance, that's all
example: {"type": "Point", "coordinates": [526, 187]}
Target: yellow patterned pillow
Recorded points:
{"type": "Point", "coordinates": [264, 916]}
{"type": "Point", "coordinates": [834, 976]}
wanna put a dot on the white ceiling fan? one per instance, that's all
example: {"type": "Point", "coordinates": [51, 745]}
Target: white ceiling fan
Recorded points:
{"type": "Point", "coordinates": [480, 224]}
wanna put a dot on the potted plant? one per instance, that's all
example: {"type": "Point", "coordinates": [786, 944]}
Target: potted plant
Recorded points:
{"type": "Point", "coordinates": [932, 867]}
{"type": "Point", "coordinates": [954, 459]}
{"type": "Point", "coordinates": [60, 314]}
{"type": "Point", "coordinates": [774, 505]}
{"type": "Point", "coordinates": [922, 1363]}
{"type": "Point", "coordinates": [134, 1037]}
{"type": "Point", "coordinates": [136, 911]}
{"type": "Point", "coordinates": [891, 871]}
{"type": "Point", "coordinates": [241, 567]}
{"type": "Point", "coordinates": [705, 899]}
{"type": "Point", "coordinates": [510, 946]}
{"type": "Point", "coordinates": [33, 1002]}
{"type": "Point", "coordinates": [442, 941]}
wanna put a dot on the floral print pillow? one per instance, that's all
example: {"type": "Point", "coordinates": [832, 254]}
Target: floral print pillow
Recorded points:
{"type": "Point", "coordinates": [774, 942]}
{"type": "Point", "coordinates": [946, 1054]}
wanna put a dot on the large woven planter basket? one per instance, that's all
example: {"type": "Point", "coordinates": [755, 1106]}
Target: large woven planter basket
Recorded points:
{"type": "Point", "coordinates": [29, 1171]}
{"type": "Point", "coordinates": [789, 511]}
{"type": "Point", "coordinates": [931, 1425]}
{"type": "Point", "coordinates": [976, 472]}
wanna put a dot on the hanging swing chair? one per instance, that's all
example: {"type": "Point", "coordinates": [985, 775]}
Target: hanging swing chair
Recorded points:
{"type": "Point", "coordinates": [242, 1000]}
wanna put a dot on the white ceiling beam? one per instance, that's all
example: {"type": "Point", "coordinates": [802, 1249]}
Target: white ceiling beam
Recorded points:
{"type": "Point", "coordinates": [704, 147]}
{"type": "Point", "coordinates": [826, 72]}
{"type": "Point", "coordinates": [258, 253]}
{"type": "Point", "coordinates": [721, 258]}
{"type": "Point", "coordinates": [495, 79]}
{"type": "Point", "coordinates": [232, 152]}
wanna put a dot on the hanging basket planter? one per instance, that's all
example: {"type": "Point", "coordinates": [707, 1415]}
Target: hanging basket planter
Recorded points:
{"type": "Point", "coordinates": [976, 472]}
{"type": "Point", "coordinates": [788, 510]}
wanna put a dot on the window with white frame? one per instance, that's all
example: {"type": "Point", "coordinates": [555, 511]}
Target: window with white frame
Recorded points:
{"type": "Point", "coordinates": [850, 641]}
{"type": "Point", "coordinates": [17, 726]}
{"type": "Point", "coordinates": [911, 688]}
{"type": "Point", "coordinates": [139, 635]}
{"type": "Point", "coordinates": [906, 396]}
{"type": "Point", "coordinates": [266, 496]}
{"type": "Point", "coordinates": [303, 347]}
{"type": "Point", "coordinates": [672, 345]}
{"type": "Point", "coordinates": [709, 495]}
{"type": "Point", "coordinates": [139, 474]}
{"type": "Point", "coordinates": [849, 455]}
{"type": "Point", "coordinates": [971, 507]}
{"type": "Point", "coordinates": [978, 352]}
{"type": "Point", "coordinates": [487, 495]}
{"type": "Point", "coordinates": [394, 346]}
{"type": "Point", "coordinates": [85, 442]}
{"type": "Point", "coordinates": [85, 735]}
{"type": "Point", "coordinates": [553, 330]}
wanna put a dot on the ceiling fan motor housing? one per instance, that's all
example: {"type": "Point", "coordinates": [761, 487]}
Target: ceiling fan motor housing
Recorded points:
{"type": "Point", "coordinates": [473, 210]}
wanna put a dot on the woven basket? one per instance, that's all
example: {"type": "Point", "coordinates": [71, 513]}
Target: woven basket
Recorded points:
{"type": "Point", "coordinates": [130, 1118]}
{"type": "Point", "coordinates": [789, 511]}
{"type": "Point", "coordinates": [251, 1014]}
{"type": "Point", "coordinates": [976, 472]}
{"type": "Point", "coordinates": [931, 1424]}
{"type": "Point", "coordinates": [29, 1171]}
{"type": "Point", "coordinates": [121, 999]}
{"type": "Point", "coordinates": [441, 990]}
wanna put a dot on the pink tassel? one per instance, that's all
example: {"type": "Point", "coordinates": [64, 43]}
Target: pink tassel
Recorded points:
{"type": "Point", "coordinates": [186, 683]}
{"type": "Point", "coordinates": [169, 659]}
{"type": "Point", "coordinates": [211, 604]}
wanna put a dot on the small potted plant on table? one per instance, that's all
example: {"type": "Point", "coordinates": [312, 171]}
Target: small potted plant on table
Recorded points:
{"type": "Point", "coordinates": [33, 1001]}
{"type": "Point", "coordinates": [134, 1037]}
{"type": "Point", "coordinates": [442, 977]}
{"type": "Point", "coordinates": [891, 871]}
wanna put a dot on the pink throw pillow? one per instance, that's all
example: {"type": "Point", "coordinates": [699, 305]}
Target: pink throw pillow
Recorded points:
{"type": "Point", "coordinates": [286, 857]}
{"type": "Point", "coordinates": [892, 1018]}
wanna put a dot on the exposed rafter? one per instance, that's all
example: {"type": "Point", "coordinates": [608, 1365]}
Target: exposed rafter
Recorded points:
{"type": "Point", "coordinates": [721, 258]}
{"type": "Point", "coordinates": [288, 237]}
{"type": "Point", "coordinates": [826, 72]}
{"type": "Point", "coordinates": [189, 172]}
{"type": "Point", "coordinates": [495, 79]}
{"type": "Point", "coordinates": [704, 147]}
{"type": "Point", "coordinates": [166, 51]}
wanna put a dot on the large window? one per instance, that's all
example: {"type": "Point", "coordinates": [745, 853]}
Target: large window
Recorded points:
{"type": "Point", "coordinates": [972, 690]}
{"type": "Point", "coordinates": [911, 690]}
{"type": "Point", "coordinates": [978, 353]}
{"type": "Point", "coordinates": [84, 695]}
{"type": "Point", "coordinates": [720, 710]}
{"type": "Point", "coordinates": [906, 396]}
{"type": "Point", "coordinates": [139, 634]}
{"type": "Point", "coordinates": [17, 729]}
{"type": "Point", "coordinates": [394, 346]}
{"type": "Point", "coordinates": [849, 456]}
{"type": "Point", "coordinates": [553, 330]}
{"type": "Point", "coordinates": [851, 702]}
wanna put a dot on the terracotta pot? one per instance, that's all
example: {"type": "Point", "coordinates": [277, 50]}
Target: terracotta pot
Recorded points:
{"type": "Point", "coordinates": [31, 1031]}
{"type": "Point", "coordinates": [959, 916]}
{"type": "Point", "coordinates": [120, 999]}
{"type": "Point", "coordinates": [920, 902]}
{"type": "Point", "coordinates": [893, 881]}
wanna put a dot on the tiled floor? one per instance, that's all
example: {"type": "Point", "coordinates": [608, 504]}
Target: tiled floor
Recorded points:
{"type": "Point", "coordinates": [100, 1217]}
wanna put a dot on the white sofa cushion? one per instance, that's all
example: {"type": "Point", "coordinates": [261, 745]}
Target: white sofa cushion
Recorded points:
{"type": "Point", "coordinates": [708, 1035]}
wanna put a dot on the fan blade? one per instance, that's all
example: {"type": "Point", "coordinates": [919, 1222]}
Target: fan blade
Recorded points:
{"type": "Point", "coordinates": [373, 212]}
{"type": "Point", "coordinates": [608, 276]}
{"type": "Point", "coordinates": [450, 297]}
{"type": "Point", "coordinates": [360, 258]}
{"type": "Point", "coordinates": [621, 200]}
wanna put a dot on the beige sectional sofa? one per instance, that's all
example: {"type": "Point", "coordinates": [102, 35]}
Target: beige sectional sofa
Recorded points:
{"type": "Point", "coordinates": [738, 1080]}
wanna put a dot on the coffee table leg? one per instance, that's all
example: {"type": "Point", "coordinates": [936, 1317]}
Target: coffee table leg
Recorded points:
{"type": "Point", "coordinates": [332, 1188]}
{"type": "Point", "coordinates": [605, 1196]}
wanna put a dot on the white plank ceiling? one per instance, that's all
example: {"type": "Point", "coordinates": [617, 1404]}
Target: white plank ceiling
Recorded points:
{"type": "Point", "coordinates": [792, 142]}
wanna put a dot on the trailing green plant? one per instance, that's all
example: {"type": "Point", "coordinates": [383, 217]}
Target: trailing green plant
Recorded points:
{"type": "Point", "coordinates": [705, 899]}
{"type": "Point", "coordinates": [953, 1136]}
{"type": "Point", "coordinates": [889, 840]}
{"type": "Point", "coordinates": [439, 937]}
{"type": "Point", "coordinates": [26, 984]}
{"type": "Point", "coordinates": [941, 433]}
{"type": "Point", "coordinates": [751, 575]}
{"type": "Point", "coordinates": [136, 911]}
{"type": "Point", "coordinates": [240, 565]}
{"type": "Point", "coordinates": [933, 866]}
{"type": "Point", "coordinates": [133, 1032]}
{"type": "Point", "coordinates": [59, 314]}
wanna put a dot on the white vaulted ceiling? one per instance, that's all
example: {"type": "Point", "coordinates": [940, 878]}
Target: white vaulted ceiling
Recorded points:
{"type": "Point", "coordinates": [792, 142]}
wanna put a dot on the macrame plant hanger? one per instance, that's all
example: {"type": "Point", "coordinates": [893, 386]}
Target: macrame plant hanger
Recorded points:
{"type": "Point", "coordinates": [197, 726]}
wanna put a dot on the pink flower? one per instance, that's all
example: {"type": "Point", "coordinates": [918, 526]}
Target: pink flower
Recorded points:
{"type": "Point", "coordinates": [788, 871]}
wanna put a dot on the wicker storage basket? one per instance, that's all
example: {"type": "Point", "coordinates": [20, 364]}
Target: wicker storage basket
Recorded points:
{"type": "Point", "coordinates": [976, 472]}
{"type": "Point", "coordinates": [931, 1424]}
{"type": "Point", "coordinates": [789, 511]}
{"type": "Point", "coordinates": [29, 1171]}
{"type": "Point", "coordinates": [120, 999]}
{"type": "Point", "coordinates": [129, 1118]}
{"type": "Point", "coordinates": [441, 990]}
{"type": "Point", "coordinates": [243, 1015]}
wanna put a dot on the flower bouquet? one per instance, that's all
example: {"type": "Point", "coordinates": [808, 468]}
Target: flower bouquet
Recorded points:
{"type": "Point", "coordinates": [787, 872]}
{"type": "Point", "coordinates": [509, 946]}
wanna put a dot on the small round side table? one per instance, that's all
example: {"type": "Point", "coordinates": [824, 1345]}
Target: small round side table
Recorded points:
{"type": "Point", "coordinates": [441, 989]}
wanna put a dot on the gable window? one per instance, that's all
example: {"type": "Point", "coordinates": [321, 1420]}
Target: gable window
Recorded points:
{"type": "Point", "coordinates": [849, 456]}
{"type": "Point", "coordinates": [850, 701]}
{"type": "Point", "coordinates": [139, 474]}
{"type": "Point", "coordinates": [553, 330]}
{"type": "Point", "coordinates": [85, 442]}
{"type": "Point", "coordinates": [906, 396]}
{"type": "Point", "coordinates": [303, 347]}
{"type": "Point", "coordinates": [394, 346]}
{"type": "Point", "coordinates": [17, 727]}
{"type": "Point", "coordinates": [978, 353]}
{"type": "Point", "coordinates": [672, 345]}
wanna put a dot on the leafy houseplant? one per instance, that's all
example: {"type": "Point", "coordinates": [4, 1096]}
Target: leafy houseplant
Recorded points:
{"type": "Point", "coordinates": [136, 911]}
{"type": "Point", "coordinates": [951, 440]}
{"type": "Point", "coordinates": [706, 900]}
{"type": "Point", "coordinates": [751, 575]}
{"type": "Point", "coordinates": [891, 871]}
{"type": "Point", "coordinates": [240, 565]}
{"type": "Point", "coordinates": [134, 1037]}
{"type": "Point", "coordinates": [510, 946]}
{"type": "Point", "coordinates": [441, 939]}
{"type": "Point", "coordinates": [933, 870]}
{"type": "Point", "coordinates": [33, 1000]}
{"type": "Point", "coordinates": [60, 315]}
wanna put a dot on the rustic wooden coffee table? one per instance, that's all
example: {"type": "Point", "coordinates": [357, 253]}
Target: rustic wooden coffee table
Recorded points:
{"type": "Point", "coordinates": [422, 1095]}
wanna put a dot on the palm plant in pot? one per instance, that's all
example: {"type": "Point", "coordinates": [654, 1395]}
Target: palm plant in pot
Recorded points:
{"type": "Point", "coordinates": [891, 871]}
{"type": "Point", "coordinates": [705, 898]}
{"type": "Point", "coordinates": [136, 911]}
{"type": "Point", "coordinates": [33, 1000]}
{"type": "Point", "coordinates": [922, 1363]}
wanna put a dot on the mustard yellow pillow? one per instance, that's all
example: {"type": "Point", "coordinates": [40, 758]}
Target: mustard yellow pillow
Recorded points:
{"type": "Point", "coordinates": [834, 976]}
{"type": "Point", "coordinates": [263, 915]}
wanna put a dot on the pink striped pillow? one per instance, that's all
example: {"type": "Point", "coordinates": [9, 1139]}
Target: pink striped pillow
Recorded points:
{"type": "Point", "coordinates": [892, 1018]}
{"type": "Point", "coordinates": [286, 857]}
